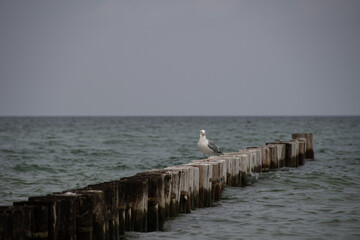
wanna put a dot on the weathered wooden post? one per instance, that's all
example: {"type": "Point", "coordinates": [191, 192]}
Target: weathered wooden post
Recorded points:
{"type": "Point", "coordinates": [245, 155]}
{"type": "Point", "coordinates": [122, 218]}
{"type": "Point", "coordinates": [171, 190]}
{"type": "Point", "coordinates": [258, 159]}
{"type": "Point", "coordinates": [218, 177]}
{"type": "Point", "coordinates": [205, 178]}
{"type": "Point", "coordinates": [170, 177]}
{"type": "Point", "coordinates": [232, 163]}
{"type": "Point", "coordinates": [295, 151]}
{"type": "Point", "coordinates": [153, 215]}
{"type": "Point", "coordinates": [91, 220]}
{"type": "Point", "coordinates": [175, 192]}
{"type": "Point", "coordinates": [309, 143]}
{"type": "Point", "coordinates": [133, 193]}
{"type": "Point", "coordinates": [244, 166]}
{"type": "Point", "coordinates": [189, 186]}
{"type": "Point", "coordinates": [255, 159]}
{"type": "Point", "coordinates": [274, 158]}
{"type": "Point", "coordinates": [111, 194]}
{"type": "Point", "coordinates": [281, 154]}
{"type": "Point", "coordinates": [232, 173]}
{"type": "Point", "coordinates": [129, 226]}
{"type": "Point", "coordinates": [133, 203]}
{"type": "Point", "coordinates": [139, 196]}
{"type": "Point", "coordinates": [290, 153]}
{"type": "Point", "coordinates": [194, 186]}
{"type": "Point", "coordinates": [183, 196]}
{"type": "Point", "coordinates": [156, 194]}
{"type": "Point", "coordinates": [302, 150]}
{"type": "Point", "coordinates": [35, 223]}
{"type": "Point", "coordinates": [297, 146]}
{"type": "Point", "coordinates": [265, 159]}
{"type": "Point", "coordinates": [13, 223]}
{"type": "Point", "coordinates": [19, 222]}
{"type": "Point", "coordinates": [6, 223]}
{"type": "Point", "coordinates": [61, 215]}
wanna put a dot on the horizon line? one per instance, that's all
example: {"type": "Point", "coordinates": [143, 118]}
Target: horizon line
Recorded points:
{"type": "Point", "coordinates": [119, 116]}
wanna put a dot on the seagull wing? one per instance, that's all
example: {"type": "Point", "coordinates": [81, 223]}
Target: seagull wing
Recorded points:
{"type": "Point", "coordinates": [215, 148]}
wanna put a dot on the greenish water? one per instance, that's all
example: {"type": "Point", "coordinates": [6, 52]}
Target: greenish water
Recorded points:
{"type": "Point", "coordinates": [320, 200]}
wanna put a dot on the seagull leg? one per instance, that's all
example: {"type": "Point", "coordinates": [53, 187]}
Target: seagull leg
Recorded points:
{"type": "Point", "coordinates": [204, 155]}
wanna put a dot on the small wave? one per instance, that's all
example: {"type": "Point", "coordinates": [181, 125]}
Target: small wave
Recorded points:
{"type": "Point", "coordinates": [8, 150]}
{"type": "Point", "coordinates": [33, 167]}
{"type": "Point", "coordinates": [112, 142]}
{"type": "Point", "coordinates": [77, 151]}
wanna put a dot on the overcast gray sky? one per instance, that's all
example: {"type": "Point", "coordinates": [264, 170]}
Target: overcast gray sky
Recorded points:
{"type": "Point", "coordinates": [197, 57]}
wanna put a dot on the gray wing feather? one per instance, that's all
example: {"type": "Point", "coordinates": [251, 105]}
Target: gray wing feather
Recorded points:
{"type": "Point", "coordinates": [214, 147]}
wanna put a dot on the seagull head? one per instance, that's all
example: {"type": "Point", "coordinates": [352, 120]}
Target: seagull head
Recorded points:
{"type": "Point", "coordinates": [202, 133]}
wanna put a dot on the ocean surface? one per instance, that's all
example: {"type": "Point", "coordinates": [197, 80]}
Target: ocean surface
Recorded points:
{"type": "Point", "coordinates": [320, 200]}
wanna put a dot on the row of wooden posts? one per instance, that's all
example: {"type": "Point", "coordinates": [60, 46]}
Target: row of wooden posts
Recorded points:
{"type": "Point", "coordinates": [144, 201]}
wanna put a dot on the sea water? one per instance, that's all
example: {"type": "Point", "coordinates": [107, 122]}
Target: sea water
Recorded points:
{"type": "Point", "coordinates": [320, 200]}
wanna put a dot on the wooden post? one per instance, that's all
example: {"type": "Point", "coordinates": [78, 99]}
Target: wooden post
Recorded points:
{"type": "Point", "coordinates": [302, 150]}
{"type": "Point", "coordinates": [281, 154]}
{"type": "Point", "coordinates": [244, 165]}
{"type": "Point", "coordinates": [218, 177]}
{"type": "Point", "coordinates": [189, 187]}
{"type": "Point", "coordinates": [183, 187]}
{"type": "Point", "coordinates": [287, 153]}
{"type": "Point", "coordinates": [194, 191]}
{"type": "Point", "coordinates": [175, 193]}
{"type": "Point", "coordinates": [171, 190]}
{"type": "Point", "coordinates": [35, 222]}
{"type": "Point", "coordinates": [12, 223]}
{"type": "Point", "coordinates": [274, 158]}
{"type": "Point", "coordinates": [153, 215]}
{"type": "Point", "coordinates": [111, 194]}
{"type": "Point", "coordinates": [91, 220]}
{"type": "Point", "coordinates": [291, 153]}
{"type": "Point", "coordinates": [309, 143]}
{"type": "Point", "coordinates": [168, 185]}
{"type": "Point", "coordinates": [91, 214]}
{"type": "Point", "coordinates": [252, 158]}
{"type": "Point", "coordinates": [245, 162]}
{"type": "Point", "coordinates": [265, 159]}
{"type": "Point", "coordinates": [231, 171]}
{"type": "Point", "coordinates": [128, 218]}
{"type": "Point", "coordinates": [156, 192]}
{"type": "Point", "coordinates": [233, 176]}
{"type": "Point", "coordinates": [205, 179]}
{"type": "Point", "coordinates": [134, 193]}
{"type": "Point", "coordinates": [258, 159]}
{"type": "Point", "coordinates": [122, 218]}
{"type": "Point", "coordinates": [61, 211]}
{"type": "Point", "coordinates": [297, 153]}
{"type": "Point", "coordinates": [255, 159]}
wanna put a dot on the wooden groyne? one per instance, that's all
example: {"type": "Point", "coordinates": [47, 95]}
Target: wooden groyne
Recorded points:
{"type": "Point", "coordinates": [144, 201]}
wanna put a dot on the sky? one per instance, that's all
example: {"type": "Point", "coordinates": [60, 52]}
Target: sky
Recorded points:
{"type": "Point", "coordinates": [175, 58]}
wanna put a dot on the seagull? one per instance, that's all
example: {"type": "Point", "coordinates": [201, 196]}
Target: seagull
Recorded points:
{"type": "Point", "coordinates": [207, 147]}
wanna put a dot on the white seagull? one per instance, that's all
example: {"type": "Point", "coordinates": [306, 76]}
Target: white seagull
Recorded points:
{"type": "Point", "coordinates": [207, 147]}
